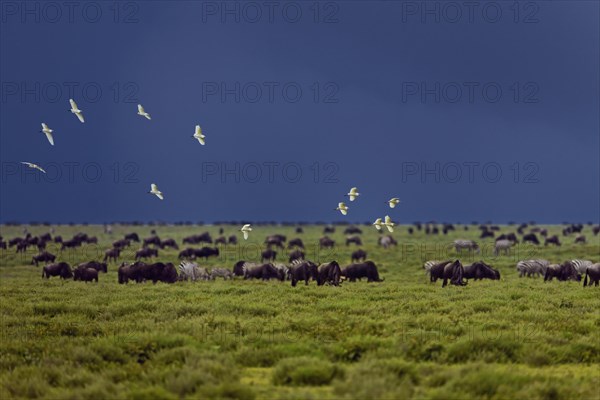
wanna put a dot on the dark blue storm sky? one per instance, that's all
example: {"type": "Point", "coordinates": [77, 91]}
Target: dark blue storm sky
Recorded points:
{"type": "Point", "coordinates": [465, 111]}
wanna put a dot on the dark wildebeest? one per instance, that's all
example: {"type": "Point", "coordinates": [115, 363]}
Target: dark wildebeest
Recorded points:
{"type": "Point", "coordinates": [508, 236]}
{"type": "Point", "coordinates": [133, 237]}
{"type": "Point", "coordinates": [411, 231]}
{"type": "Point", "coordinates": [98, 266]}
{"type": "Point", "coordinates": [195, 239]}
{"type": "Point", "coordinates": [353, 239]}
{"type": "Point", "coordinates": [129, 272]}
{"type": "Point", "coordinates": [145, 252]}
{"type": "Point", "coordinates": [58, 239]}
{"type": "Point", "coordinates": [329, 229]}
{"type": "Point", "coordinates": [486, 233]}
{"type": "Point", "coordinates": [593, 272]}
{"type": "Point", "coordinates": [121, 243]}
{"type": "Point", "coordinates": [297, 255]}
{"type": "Point", "coordinates": [238, 268]}
{"type": "Point", "coordinates": [61, 269]}
{"type": "Point", "coordinates": [296, 242]}
{"type": "Point", "coordinates": [155, 240]}
{"type": "Point", "coordinates": [15, 241]}
{"type": "Point", "coordinates": [580, 239]}
{"type": "Point", "coordinates": [367, 269]}
{"type": "Point", "coordinates": [206, 252]}
{"type": "Point", "coordinates": [563, 272]}
{"type": "Point", "coordinates": [596, 230]}
{"type": "Point", "coordinates": [3, 244]}
{"type": "Point", "coordinates": [187, 253]}
{"type": "Point", "coordinates": [73, 243]}
{"type": "Point", "coordinates": [41, 245]}
{"type": "Point", "coordinates": [544, 232]}
{"type": "Point", "coordinates": [351, 230]}
{"type": "Point", "coordinates": [158, 272]}
{"type": "Point", "coordinates": [221, 240]}
{"type": "Point", "coordinates": [531, 237]}
{"type": "Point", "coordinates": [329, 273]}
{"type": "Point", "coordinates": [359, 255]}
{"type": "Point", "coordinates": [386, 241]}
{"type": "Point", "coordinates": [448, 270]}
{"type": "Point", "coordinates": [268, 255]}
{"type": "Point", "coordinates": [46, 237]}
{"type": "Point", "coordinates": [480, 270]}
{"type": "Point", "coordinates": [264, 272]}
{"type": "Point", "coordinates": [45, 257]}
{"type": "Point", "coordinates": [302, 271]}
{"type": "Point", "coordinates": [275, 240]}
{"type": "Point", "coordinates": [232, 239]}
{"type": "Point", "coordinates": [299, 230]}
{"type": "Point", "coordinates": [92, 240]}
{"type": "Point", "coordinates": [552, 240]}
{"type": "Point", "coordinates": [113, 254]}
{"type": "Point", "coordinates": [85, 274]}
{"type": "Point", "coordinates": [169, 243]}
{"type": "Point", "coordinates": [80, 237]}
{"type": "Point", "coordinates": [326, 242]}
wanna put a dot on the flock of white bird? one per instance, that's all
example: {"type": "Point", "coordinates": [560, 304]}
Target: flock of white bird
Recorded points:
{"type": "Point", "coordinates": [246, 229]}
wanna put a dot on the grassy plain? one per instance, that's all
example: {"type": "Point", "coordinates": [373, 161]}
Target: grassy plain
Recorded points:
{"type": "Point", "coordinates": [517, 338]}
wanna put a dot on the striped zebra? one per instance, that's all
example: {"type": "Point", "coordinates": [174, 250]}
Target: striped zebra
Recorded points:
{"type": "Point", "coordinates": [503, 245]}
{"type": "Point", "coordinates": [533, 268]}
{"type": "Point", "coordinates": [460, 244]}
{"type": "Point", "coordinates": [221, 272]}
{"type": "Point", "coordinates": [191, 271]}
{"type": "Point", "coordinates": [580, 265]}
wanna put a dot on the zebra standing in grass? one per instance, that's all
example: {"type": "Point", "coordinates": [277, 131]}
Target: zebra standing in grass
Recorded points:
{"type": "Point", "coordinates": [580, 265]}
{"type": "Point", "coordinates": [192, 271]}
{"type": "Point", "coordinates": [460, 244]}
{"type": "Point", "coordinates": [503, 245]}
{"type": "Point", "coordinates": [533, 268]}
{"type": "Point", "coordinates": [221, 272]}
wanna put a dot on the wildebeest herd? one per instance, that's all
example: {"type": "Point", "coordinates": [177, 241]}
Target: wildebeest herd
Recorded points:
{"type": "Point", "coordinates": [298, 268]}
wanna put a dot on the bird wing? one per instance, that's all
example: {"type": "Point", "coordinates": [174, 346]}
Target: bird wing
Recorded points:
{"type": "Point", "coordinates": [352, 197]}
{"type": "Point", "coordinates": [153, 187]}
{"type": "Point", "coordinates": [147, 116]}
{"type": "Point", "coordinates": [80, 116]}
{"type": "Point", "coordinates": [40, 168]}
{"type": "Point", "coordinates": [392, 204]}
{"type": "Point", "coordinates": [343, 211]}
{"type": "Point", "coordinates": [341, 205]}
{"type": "Point", "coordinates": [390, 228]}
{"type": "Point", "coordinates": [73, 104]}
{"type": "Point", "coordinates": [159, 195]}
{"type": "Point", "coordinates": [246, 227]}
{"type": "Point", "coordinates": [388, 220]}
{"type": "Point", "coordinates": [50, 138]}
{"type": "Point", "coordinates": [353, 191]}
{"type": "Point", "coordinates": [201, 140]}
{"type": "Point", "coordinates": [141, 109]}
{"type": "Point", "coordinates": [44, 126]}
{"type": "Point", "coordinates": [30, 165]}
{"type": "Point", "coordinates": [198, 130]}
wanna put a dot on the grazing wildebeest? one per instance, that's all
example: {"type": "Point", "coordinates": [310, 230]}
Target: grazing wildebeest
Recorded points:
{"type": "Point", "coordinates": [297, 255]}
{"type": "Point", "coordinates": [158, 272]}
{"type": "Point", "coordinates": [503, 245]}
{"type": "Point", "coordinates": [552, 240]}
{"type": "Point", "coordinates": [282, 271]}
{"type": "Point", "coordinates": [486, 233]}
{"type": "Point", "coordinates": [448, 270]}
{"type": "Point", "coordinates": [206, 252]}
{"type": "Point", "coordinates": [127, 271]}
{"type": "Point", "coordinates": [387, 241]}
{"type": "Point", "coordinates": [329, 273]}
{"type": "Point", "coordinates": [329, 229]}
{"type": "Point", "coordinates": [470, 245]}
{"type": "Point", "coordinates": [359, 255]}
{"type": "Point", "coordinates": [187, 253]}
{"type": "Point", "coordinates": [410, 231]}
{"type": "Point", "coordinates": [508, 236]}
{"type": "Point", "coordinates": [238, 267]}
{"type": "Point", "coordinates": [169, 243]}
{"type": "Point", "coordinates": [563, 272]}
{"type": "Point", "coordinates": [145, 252]}
{"type": "Point", "coordinates": [98, 266]}
{"type": "Point", "coordinates": [113, 254]}
{"type": "Point", "coordinates": [299, 230]}
{"type": "Point", "coordinates": [232, 239]}
{"type": "Point", "coordinates": [121, 243]}
{"type": "Point", "coordinates": [351, 230]}
{"type": "Point", "coordinates": [46, 237]}
{"type": "Point", "coordinates": [428, 264]}
{"type": "Point", "coordinates": [3, 244]}
{"type": "Point", "coordinates": [155, 240]}
{"type": "Point", "coordinates": [195, 239]}
{"type": "Point", "coordinates": [353, 239]}
{"type": "Point", "coordinates": [41, 245]}
{"type": "Point", "coordinates": [326, 242]}
{"type": "Point", "coordinates": [480, 270]}
{"type": "Point", "coordinates": [133, 237]}
{"type": "Point", "coordinates": [192, 271]}
{"type": "Point", "coordinates": [544, 232]}
{"type": "Point", "coordinates": [532, 268]}
{"type": "Point", "coordinates": [296, 242]}
{"type": "Point", "coordinates": [302, 271]}
{"type": "Point", "coordinates": [593, 272]}
{"type": "Point", "coordinates": [61, 269]}
{"type": "Point", "coordinates": [58, 239]}
{"type": "Point", "coordinates": [92, 240]}
{"type": "Point", "coordinates": [268, 254]}
{"type": "Point", "coordinates": [275, 240]}
{"type": "Point", "coordinates": [85, 274]}
{"type": "Point", "coordinates": [580, 239]}
{"type": "Point", "coordinates": [596, 230]}
{"type": "Point", "coordinates": [261, 271]}
{"type": "Point", "coordinates": [221, 272]}
{"type": "Point", "coordinates": [532, 238]}
{"type": "Point", "coordinates": [221, 240]}
{"type": "Point", "coordinates": [367, 269]}
{"type": "Point", "coordinates": [45, 257]}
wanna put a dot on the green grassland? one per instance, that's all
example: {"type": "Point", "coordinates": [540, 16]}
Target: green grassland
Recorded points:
{"type": "Point", "coordinates": [517, 338]}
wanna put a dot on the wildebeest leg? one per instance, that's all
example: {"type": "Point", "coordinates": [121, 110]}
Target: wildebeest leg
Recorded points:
{"type": "Point", "coordinates": [445, 282]}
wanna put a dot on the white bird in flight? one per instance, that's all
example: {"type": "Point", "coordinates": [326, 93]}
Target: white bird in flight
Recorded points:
{"type": "Point", "coordinates": [377, 224]}
{"type": "Point", "coordinates": [32, 165]}
{"type": "Point", "coordinates": [142, 112]}
{"type": "Point", "coordinates": [75, 110]}
{"type": "Point", "coordinates": [198, 135]}
{"type": "Point", "coordinates": [389, 224]}
{"type": "Point", "coordinates": [343, 208]}
{"type": "Point", "coordinates": [393, 202]}
{"type": "Point", "coordinates": [154, 190]}
{"type": "Point", "coordinates": [353, 194]}
{"type": "Point", "coordinates": [48, 133]}
{"type": "Point", "coordinates": [245, 230]}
